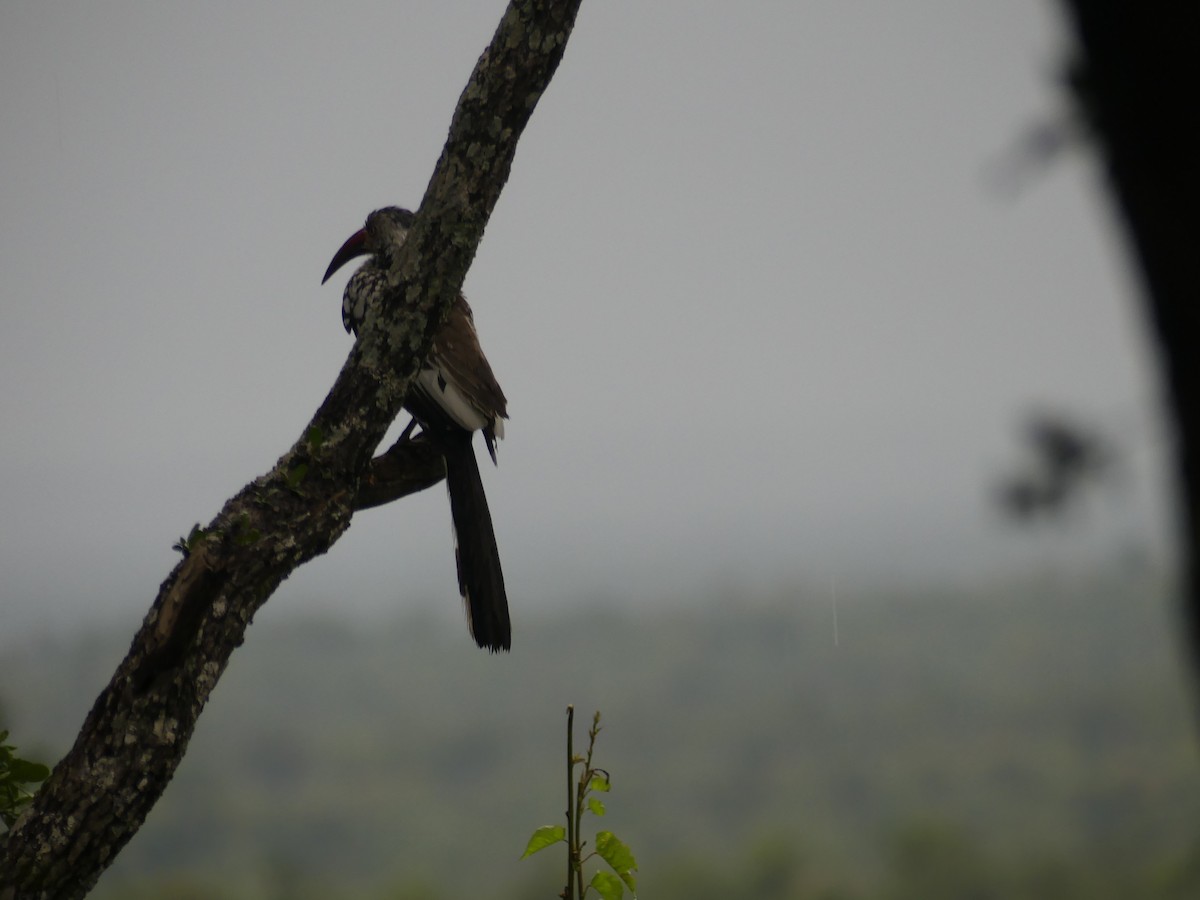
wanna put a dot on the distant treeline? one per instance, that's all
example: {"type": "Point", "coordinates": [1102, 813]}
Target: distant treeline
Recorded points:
{"type": "Point", "coordinates": [1024, 740]}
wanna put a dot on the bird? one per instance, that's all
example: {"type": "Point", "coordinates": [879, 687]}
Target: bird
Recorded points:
{"type": "Point", "coordinates": [453, 395]}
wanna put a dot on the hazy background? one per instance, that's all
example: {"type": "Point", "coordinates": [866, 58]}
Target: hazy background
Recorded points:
{"type": "Point", "coordinates": [768, 323]}
{"type": "Point", "coordinates": [760, 312]}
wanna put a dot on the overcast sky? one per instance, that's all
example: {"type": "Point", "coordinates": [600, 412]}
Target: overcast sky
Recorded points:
{"type": "Point", "coordinates": [759, 313]}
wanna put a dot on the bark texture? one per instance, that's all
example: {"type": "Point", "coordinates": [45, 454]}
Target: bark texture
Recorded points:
{"type": "Point", "coordinates": [1135, 78]}
{"type": "Point", "coordinates": [138, 730]}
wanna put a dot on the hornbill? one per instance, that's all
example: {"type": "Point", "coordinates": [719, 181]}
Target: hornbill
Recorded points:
{"type": "Point", "coordinates": [454, 395]}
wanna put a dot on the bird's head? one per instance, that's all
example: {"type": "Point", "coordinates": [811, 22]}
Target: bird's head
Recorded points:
{"type": "Point", "coordinates": [385, 230]}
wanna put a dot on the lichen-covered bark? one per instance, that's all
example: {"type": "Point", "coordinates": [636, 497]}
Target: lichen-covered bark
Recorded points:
{"type": "Point", "coordinates": [139, 727]}
{"type": "Point", "coordinates": [1136, 78]}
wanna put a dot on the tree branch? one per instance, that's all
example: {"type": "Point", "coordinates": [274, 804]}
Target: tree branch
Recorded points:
{"type": "Point", "coordinates": [1135, 82]}
{"type": "Point", "coordinates": [408, 467]}
{"type": "Point", "coordinates": [138, 730]}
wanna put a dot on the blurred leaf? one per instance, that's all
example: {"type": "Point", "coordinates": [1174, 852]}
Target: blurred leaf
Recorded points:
{"type": "Point", "coordinates": [543, 837]}
{"type": "Point", "coordinates": [595, 806]}
{"type": "Point", "coordinates": [619, 857]}
{"type": "Point", "coordinates": [599, 783]}
{"type": "Point", "coordinates": [608, 886]}
{"type": "Point", "coordinates": [24, 770]}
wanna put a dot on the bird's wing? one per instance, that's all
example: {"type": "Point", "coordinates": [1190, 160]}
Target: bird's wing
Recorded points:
{"type": "Point", "coordinates": [459, 361]}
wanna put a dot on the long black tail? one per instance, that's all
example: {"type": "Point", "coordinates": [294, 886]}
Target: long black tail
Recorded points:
{"type": "Point", "coordinates": [480, 580]}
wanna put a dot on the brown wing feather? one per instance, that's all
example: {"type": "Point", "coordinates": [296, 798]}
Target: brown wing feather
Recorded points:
{"type": "Point", "coordinates": [457, 354]}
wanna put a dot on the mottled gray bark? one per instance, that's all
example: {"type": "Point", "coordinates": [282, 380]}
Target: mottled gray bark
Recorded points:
{"type": "Point", "coordinates": [139, 727]}
{"type": "Point", "coordinates": [1135, 77]}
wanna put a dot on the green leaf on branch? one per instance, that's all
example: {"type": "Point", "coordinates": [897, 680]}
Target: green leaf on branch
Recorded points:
{"type": "Point", "coordinates": [26, 771]}
{"type": "Point", "coordinates": [619, 857]}
{"type": "Point", "coordinates": [544, 837]}
{"type": "Point", "coordinates": [600, 783]}
{"type": "Point", "coordinates": [186, 545]}
{"type": "Point", "coordinates": [15, 773]}
{"type": "Point", "coordinates": [608, 886]}
{"type": "Point", "coordinates": [595, 806]}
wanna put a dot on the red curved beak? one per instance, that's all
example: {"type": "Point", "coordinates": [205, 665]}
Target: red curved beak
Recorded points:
{"type": "Point", "coordinates": [355, 246]}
